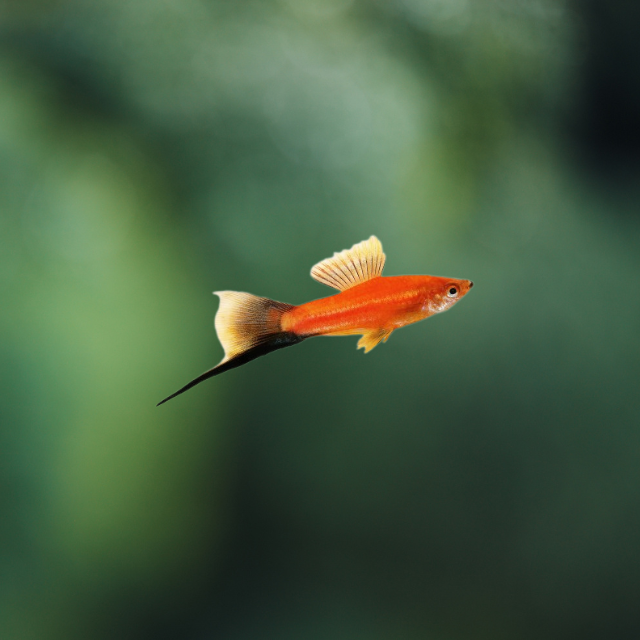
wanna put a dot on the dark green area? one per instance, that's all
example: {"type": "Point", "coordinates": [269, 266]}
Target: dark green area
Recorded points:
{"type": "Point", "coordinates": [475, 477]}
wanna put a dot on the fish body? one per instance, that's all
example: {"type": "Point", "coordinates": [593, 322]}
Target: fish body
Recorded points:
{"type": "Point", "coordinates": [368, 304]}
{"type": "Point", "coordinates": [380, 304]}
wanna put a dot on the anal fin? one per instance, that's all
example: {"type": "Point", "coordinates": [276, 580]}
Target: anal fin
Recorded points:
{"type": "Point", "coordinates": [370, 339]}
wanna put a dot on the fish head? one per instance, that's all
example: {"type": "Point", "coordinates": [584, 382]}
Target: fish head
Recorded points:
{"type": "Point", "coordinates": [443, 293]}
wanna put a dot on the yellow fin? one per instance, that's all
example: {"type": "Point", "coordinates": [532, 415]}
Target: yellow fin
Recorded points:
{"type": "Point", "coordinates": [350, 267]}
{"type": "Point", "coordinates": [372, 338]}
{"type": "Point", "coordinates": [244, 321]}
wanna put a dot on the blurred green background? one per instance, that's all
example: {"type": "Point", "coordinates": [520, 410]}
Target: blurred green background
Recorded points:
{"type": "Point", "coordinates": [475, 477]}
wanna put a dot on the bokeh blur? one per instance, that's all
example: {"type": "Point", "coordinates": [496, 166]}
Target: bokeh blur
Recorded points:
{"type": "Point", "coordinates": [475, 477]}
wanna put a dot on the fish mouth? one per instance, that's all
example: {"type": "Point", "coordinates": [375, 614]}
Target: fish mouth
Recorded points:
{"type": "Point", "coordinates": [470, 284]}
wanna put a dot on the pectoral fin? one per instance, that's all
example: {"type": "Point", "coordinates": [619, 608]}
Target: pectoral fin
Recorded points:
{"type": "Point", "coordinates": [372, 338]}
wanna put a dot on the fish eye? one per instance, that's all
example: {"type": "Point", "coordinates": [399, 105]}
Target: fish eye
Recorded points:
{"type": "Point", "coordinates": [452, 291]}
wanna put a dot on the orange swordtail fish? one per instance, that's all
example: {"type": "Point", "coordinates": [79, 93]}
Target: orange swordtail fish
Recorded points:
{"type": "Point", "coordinates": [368, 304]}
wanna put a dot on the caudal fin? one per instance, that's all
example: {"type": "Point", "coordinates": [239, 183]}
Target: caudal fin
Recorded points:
{"type": "Point", "coordinates": [248, 327]}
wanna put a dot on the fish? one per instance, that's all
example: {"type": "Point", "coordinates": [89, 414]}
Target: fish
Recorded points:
{"type": "Point", "coordinates": [367, 304]}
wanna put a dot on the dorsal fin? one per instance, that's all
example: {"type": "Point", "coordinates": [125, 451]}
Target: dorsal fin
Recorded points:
{"type": "Point", "coordinates": [350, 267]}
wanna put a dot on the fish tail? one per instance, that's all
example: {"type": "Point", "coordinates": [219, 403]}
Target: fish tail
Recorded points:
{"type": "Point", "coordinates": [248, 327]}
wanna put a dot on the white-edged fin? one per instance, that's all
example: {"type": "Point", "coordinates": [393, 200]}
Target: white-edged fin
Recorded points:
{"type": "Point", "coordinates": [248, 327]}
{"type": "Point", "coordinates": [350, 267]}
{"type": "Point", "coordinates": [244, 321]}
{"type": "Point", "coordinates": [370, 339]}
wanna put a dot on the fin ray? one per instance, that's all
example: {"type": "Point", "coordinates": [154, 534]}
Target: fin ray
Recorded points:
{"type": "Point", "coordinates": [248, 327]}
{"type": "Point", "coordinates": [348, 268]}
{"type": "Point", "coordinates": [244, 321]}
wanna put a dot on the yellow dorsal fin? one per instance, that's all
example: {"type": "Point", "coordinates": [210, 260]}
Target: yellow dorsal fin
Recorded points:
{"type": "Point", "coordinates": [350, 267]}
{"type": "Point", "coordinates": [372, 338]}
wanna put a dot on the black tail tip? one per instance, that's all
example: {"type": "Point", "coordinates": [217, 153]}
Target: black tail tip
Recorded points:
{"type": "Point", "coordinates": [173, 395]}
